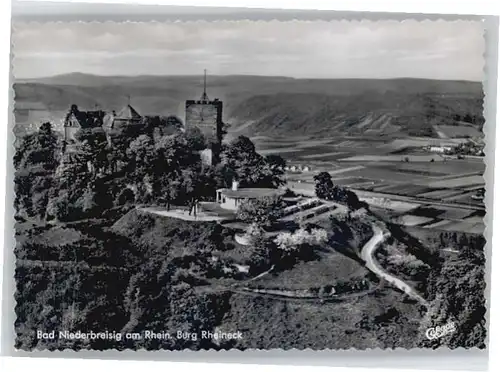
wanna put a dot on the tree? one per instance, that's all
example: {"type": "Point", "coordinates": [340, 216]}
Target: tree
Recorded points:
{"type": "Point", "coordinates": [36, 159]}
{"type": "Point", "coordinates": [169, 190]}
{"type": "Point", "coordinates": [262, 211]}
{"type": "Point", "coordinates": [38, 148]}
{"type": "Point", "coordinates": [195, 139]}
{"type": "Point", "coordinates": [174, 153]}
{"type": "Point", "coordinates": [198, 184]}
{"type": "Point", "coordinates": [142, 158]}
{"type": "Point", "coordinates": [323, 185]}
{"type": "Point", "coordinates": [457, 294]}
{"type": "Point", "coordinates": [325, 189]}
{"type": "Point", "coordinates": [93, 148]}
{"type": "Point", "coordinates": [254, 233]}
{"type": "Point", "coordinates": [299, 245]}
{"type": "Point", "coordinates": [159, 297]}
{"type": "Point", "coordinates": [274, 170]}
{"type": "Point", "coordinates": [287, 241]}
{"type": "Point", "coordinates": [240, 159]}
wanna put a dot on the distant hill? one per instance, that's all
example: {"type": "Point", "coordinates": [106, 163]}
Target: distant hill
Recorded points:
{"type": "Point", "coordinates": [376, 113]}
{"type": "Point", "coordinates": [261, 104]}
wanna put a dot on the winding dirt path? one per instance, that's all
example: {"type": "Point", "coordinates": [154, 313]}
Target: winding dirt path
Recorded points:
{"type": "Point", "coordinates": [367, 254]}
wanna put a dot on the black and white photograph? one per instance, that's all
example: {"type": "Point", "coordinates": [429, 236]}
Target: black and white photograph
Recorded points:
{"type": "Point", "coordinates": [217, 185]}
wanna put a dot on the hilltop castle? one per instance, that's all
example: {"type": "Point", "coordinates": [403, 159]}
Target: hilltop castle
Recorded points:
{"type": "Point", "coordinates": [206, 115]}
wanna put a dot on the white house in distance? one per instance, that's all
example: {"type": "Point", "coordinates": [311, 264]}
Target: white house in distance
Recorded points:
{"type": "Point", "coordinates": [440, 149]}
{"type": "Point", "coordinates": [232, 198]}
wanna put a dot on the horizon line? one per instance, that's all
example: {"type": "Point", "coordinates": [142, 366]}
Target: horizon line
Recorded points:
{"type": "Point", "coordinates": [242, 75]}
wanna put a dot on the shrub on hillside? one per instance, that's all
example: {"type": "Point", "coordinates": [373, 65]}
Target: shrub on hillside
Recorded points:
{"type": "Point", "coordinates": [262, 211]}
{"type": "Point", "coordinates": [125, 196]}
{"type": "Point", "coordinates": [325, 189]}
{"type": "Point", "coordinates": [290, 248]}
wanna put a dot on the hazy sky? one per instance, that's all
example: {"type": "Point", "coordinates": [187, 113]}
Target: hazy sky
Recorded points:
{"type": "Point", "coordinates": [336, 49]}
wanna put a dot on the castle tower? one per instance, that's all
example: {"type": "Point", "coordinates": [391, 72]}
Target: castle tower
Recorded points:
{"type": "Point", "coordinates": [206, 115]}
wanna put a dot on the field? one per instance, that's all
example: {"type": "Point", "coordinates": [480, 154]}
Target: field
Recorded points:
{"type": "Point", "coordinates": [449, 168]}
{"type": "Point", "coordinates": [396, 158]}
{"type": "Point", "coordinates": [398, 182]}
{"type": "Point", "coordinates": [459, 182]}
{"type": "Point", "coordinates": [452, 131]}
{"type": "Point", "coordinates": [415, 142]}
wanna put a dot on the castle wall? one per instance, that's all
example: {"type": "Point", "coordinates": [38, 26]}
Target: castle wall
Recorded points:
{"type": "Point", "coordinates": [207, 157]}
{"type": "Point", "coordinates": [70, 132]}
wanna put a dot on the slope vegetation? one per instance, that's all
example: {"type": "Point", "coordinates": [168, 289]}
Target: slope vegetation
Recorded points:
{"type": "Point", "coordinates": [386, 113]}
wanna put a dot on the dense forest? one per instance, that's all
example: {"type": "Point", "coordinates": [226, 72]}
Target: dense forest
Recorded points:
{"type": "Point", "coordinates": [456, 294]}
{"type": "Point", "coordinates": [139, 167]}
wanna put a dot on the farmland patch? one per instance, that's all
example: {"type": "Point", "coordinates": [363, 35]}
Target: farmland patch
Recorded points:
{"type": "Point", "coordinates": [439, 224]}
{"type": "Point", "coordinates": [427, 211]}
{"type": "Point", "coordinates": [411, 220]}
{"type": "Point", "coordinates": [404, 189]}
{"type": "Point", "coordinates": [394, 158]}
{"type": "Point", "coordinates": [458, 182]}
{"type": "Point", "coordinates": [332, 155]}
{"type": "Point", "coordinates": [402, 143]}
{"type": "Point", "coordinates": [474, 219]}
{"type": "Point", "coordinates": [431, 168]}
{"type": "Point", "coordinates": [279, 150]}
{"type": "Point", "coordinates": [348, 180]}
{"type": "Point", "coordinates": [465, 198]}
{"type": "Point", "coordinates": [395, 205]}
{"type": "Point", "coordinates": [455, 213]}
{"type": "Point", "coordinates": [478, 228]}
{"type": "Point", "coordinates": [388, 175]}
{"type": "Point", "coordinates": [459, 226]}
{"type": "Point", "coordinates": [459, 131]}
{"type": "Point", "coordinates": [439, 194]}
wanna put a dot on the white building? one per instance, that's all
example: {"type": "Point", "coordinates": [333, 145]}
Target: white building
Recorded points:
{"type": "Point", "coordinates": [232, 198]}
{"type": "Point", "coordinates": [440, 149]}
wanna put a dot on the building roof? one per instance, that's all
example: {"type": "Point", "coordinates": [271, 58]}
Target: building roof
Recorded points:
{"type": "Point", "coordinates": [251, 193]}
{"type": "Point", "coordinates": [86, 119]}
{"type": "Point", "coordinates": [128, 113]}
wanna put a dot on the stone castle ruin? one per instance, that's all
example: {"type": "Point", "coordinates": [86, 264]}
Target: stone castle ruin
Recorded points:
{"type": "Point", "coordinates": [76, 120]}
{"type": "Point", "coordinates": [203, 114]}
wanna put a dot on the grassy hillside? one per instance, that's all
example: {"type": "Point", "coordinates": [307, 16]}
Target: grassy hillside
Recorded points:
{"type": "Point", "coordinates": [273, 105]}
{"type": "Point", "coordinates": [386, 112]}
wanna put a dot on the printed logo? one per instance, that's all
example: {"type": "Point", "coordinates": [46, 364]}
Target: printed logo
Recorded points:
{"type": "Point", "coordinates": [440, 331]}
